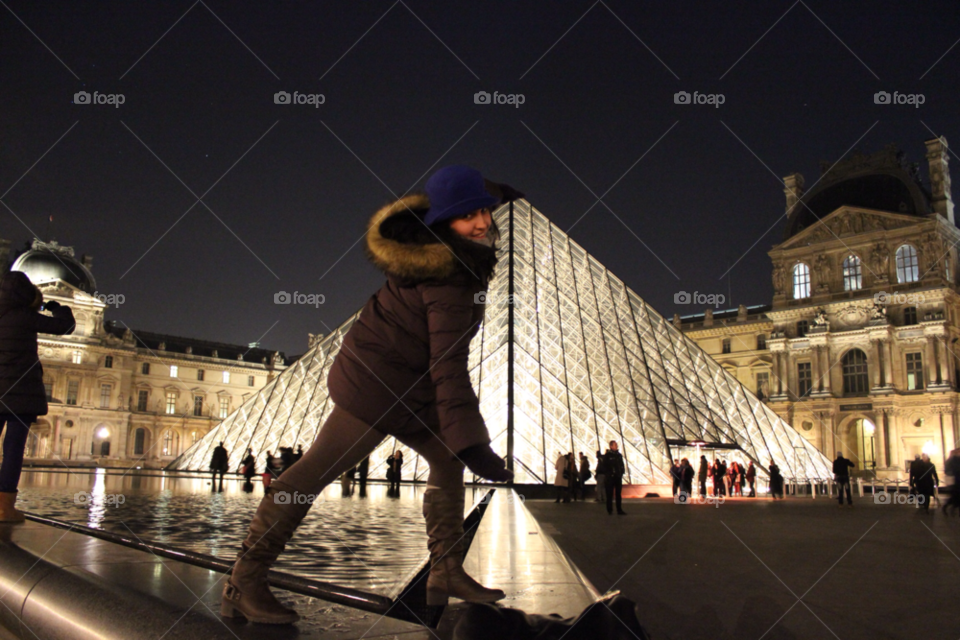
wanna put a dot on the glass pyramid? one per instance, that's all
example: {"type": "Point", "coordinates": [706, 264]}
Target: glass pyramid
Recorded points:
{"type": "Point", "coordinates": [568, 358]}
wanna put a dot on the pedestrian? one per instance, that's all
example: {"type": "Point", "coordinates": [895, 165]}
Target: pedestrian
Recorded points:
{"type": "Point", "coordinates": [914, 473]}
{"type": "Point", "coordinates": [362, 471]}
{"type": "Point", "coordinates": [397, 471]}
{"type": "Point", "coordinates": [286, 458]}
{"type": "Point", "coordinates": [575, 487]}
{"type": "Point", "coordinates": [390, 474]}
{"type": "Point", "coordinates": [776, 481]}
{"type": "Point", "coordinates": [219, 463]}
{"type": "Point", "coordinates": [841, 473]}
{"type": "Point", "coordinates": [615, 470]}
{"type": "Point", "coordinates": [411, 340]}
{"type": "Point", "coordinates": [702, 475]}
{"type": "Point", "coordinates": [952, 468]}
{"type": "Point", "coordinates": [585, 474]}
{"type": "Point", "coordinates": [248, 468]}
{"type": "Point", "coordinates": [751, 477]}
{"type": "Point", "coordinates": [271, 471]}
{"type": "Point", "coordinates": [601, 478]}
{"type": "Point", "coordinates": [675, 474]}
{"type": "Point", "coordinates": [346, 482]}
{"type": "Point", "coordinates": [21, 375]}
{"type": "Point", "coordinates": [926, 482]}
{"type": "Point", "coordinates": [686, 477]}
{"type": "Point", "coordinates": [726, 479]}
{"type": "Point", "coordinates": [562, 480]}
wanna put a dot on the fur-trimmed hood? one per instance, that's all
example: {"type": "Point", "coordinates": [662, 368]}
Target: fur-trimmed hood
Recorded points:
{"type": "Point", "coordinates": [400, 243]}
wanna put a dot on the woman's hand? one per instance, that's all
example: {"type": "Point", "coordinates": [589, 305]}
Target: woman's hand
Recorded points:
{"type": "Point", "coordinates": [482, 460]}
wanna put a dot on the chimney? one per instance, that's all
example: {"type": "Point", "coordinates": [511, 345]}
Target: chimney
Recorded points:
{"type": "Point", "coordinates": [938, 157]}
{"type": "Point", "coordinates": [793, 188]}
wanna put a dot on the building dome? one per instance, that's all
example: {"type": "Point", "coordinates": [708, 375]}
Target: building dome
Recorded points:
{"type": "Point", "coordinates": [48, 261]}
{"type": "Point", "coordinates": [877, 181]}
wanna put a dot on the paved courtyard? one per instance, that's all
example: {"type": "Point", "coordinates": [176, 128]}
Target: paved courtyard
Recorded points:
{"type": "Point", "coordinates": [751, 569]}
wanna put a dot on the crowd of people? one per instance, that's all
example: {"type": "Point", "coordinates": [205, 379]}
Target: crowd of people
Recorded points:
{"type": "Point", "coordinates": [571, 478]}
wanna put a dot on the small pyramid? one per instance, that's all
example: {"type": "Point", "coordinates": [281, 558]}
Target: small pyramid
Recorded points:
{"type": "Point", "coordinates": [589, 362]}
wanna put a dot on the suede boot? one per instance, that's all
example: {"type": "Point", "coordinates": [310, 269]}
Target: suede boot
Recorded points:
{"type": "Point", "coordinates": [443, 511]}
{"type": "Point", "coordinates": [247, 592]}
{"type": "Point", "coordinates": [8, 512]}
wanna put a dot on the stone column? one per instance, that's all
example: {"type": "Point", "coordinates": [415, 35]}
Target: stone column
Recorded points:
{"type": "Point", "coordinates": [55, 448]}
{"type": "Point", "coordinates": [785, 372]}
{"type": "Point", "coordinates": [893, 440]}
{"type": "Point", "coordinates": [887, 346]}
{"type": "Point", "coordinates": [826, 368]}
{"type": "Point", "coordinates": [931, 356]}
{"type": "Point", "coordinates": [815, 382]}
{"type": "Point", "coordinates": [875, 368]}
{"type": "Point", "coordinates": [939, 171]}
{"type": "Point", "coordinates": [882, 456]}
{"type": "Point", "coordinates": [943, 360]}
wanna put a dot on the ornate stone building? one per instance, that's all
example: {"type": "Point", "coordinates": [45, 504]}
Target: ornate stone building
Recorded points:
{"type": "Point", "coordinates": [858, 350]}
{"type": "Point", "coordinates": [121, 397]}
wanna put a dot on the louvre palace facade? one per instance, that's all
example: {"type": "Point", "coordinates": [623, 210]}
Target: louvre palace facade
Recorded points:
{"type": "Point", "coordinates": [122, 397]}
{"type": "Point", "coordinates": [858, 348]}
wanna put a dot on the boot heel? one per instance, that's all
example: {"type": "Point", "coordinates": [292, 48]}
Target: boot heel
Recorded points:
{"type": "Point", "coordinates": [227, 610]}
{"type": "Point", "coordinates": [436, 598]}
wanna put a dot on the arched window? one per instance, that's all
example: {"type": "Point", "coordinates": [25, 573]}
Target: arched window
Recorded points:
{"type": "Point", "coordinates": [852, 274]}
{"type": "Point", "coordinates": [801, 281]}
{"type": "Point", "coordinates": [138, 439]}
{"type": "Point", "coordinates": [908, 267]}
{"type": "Point", "coordinates": [855, 380]}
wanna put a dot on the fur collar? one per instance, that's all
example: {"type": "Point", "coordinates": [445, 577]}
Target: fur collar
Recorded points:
{"type": "Point", "coordinates": [399, 243]}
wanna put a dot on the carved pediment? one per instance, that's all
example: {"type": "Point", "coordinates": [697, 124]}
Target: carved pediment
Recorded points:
{"type": "Point", "coordinates": [846, 221]}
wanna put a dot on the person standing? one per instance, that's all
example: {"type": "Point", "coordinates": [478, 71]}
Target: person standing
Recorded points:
{"type": "Point", "coordinates": [584, 474]}
{"type": "Point", "coordinates": [575, 487]}
{"type": "Point", "coordinates": [397, 471]}
{"type": "Point", "coordinates": [675, 476]}
{"type": "Point", "coordinates": [601, 478]}
{"type": "Point", "coordinates": [915, 465]}
{"type": "Point", "coordinates": [926, 482]}
{"type": "Point", "coordinates": [390, 460]}
{"type": "Point", "coordinates": [562, 480]}
{"type": "Point", "coordinates": [219, 464]}
{"type": "Point", "coordinates": [776, 481]}
{"type": "Point", "coordinates": [751, 476]}
{"type": "Point", "coordinates": [21, 375]}
{"type": "Point", "coordinates": [952, 468]}
{"type": "Point", "coordinates": [841, 473]}
{"type": "Point", "coordinates": [614, 464]}
{"type": "Point", "coordinates": [726, 479]}
{"type": "Point", "coordinates": [412, 338]}
{"type": "Point", "coordinates": [686, 477]}
{"type": "Point", "coordinates": [702, 476]}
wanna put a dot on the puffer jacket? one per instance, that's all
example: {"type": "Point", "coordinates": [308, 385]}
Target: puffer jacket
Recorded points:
{"type": "Point", "coordinates": [402, 367]}
{"type": "Point", "coordinates": [21, 374]}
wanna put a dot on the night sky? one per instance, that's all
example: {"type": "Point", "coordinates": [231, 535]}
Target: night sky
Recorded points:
{"type": "Point", "coordinates": [287, 189]}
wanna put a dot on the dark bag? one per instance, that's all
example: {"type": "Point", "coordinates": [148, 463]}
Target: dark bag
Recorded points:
{"type": "Point", "coordinates": [566, 474]}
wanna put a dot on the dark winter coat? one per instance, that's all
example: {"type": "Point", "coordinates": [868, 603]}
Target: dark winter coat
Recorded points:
{"type": "Point", "coordinates": [250, 466]}
{"type": "Point", "coordinates": [412, 338]}
{"type": "Point", "coordinates": [841, 469]}
{"type": "Point", "coordinates": [614, 463]}
{"type": "Point", "coordinates": [926, 478]}
{"type": "Point", "coordinates": [21, 374]}
{"type": "Point", "coordinates": [220, 461]}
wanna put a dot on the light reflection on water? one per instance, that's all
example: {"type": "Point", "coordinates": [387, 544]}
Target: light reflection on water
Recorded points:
{"type": "Point", "coordinates": [366, 543]}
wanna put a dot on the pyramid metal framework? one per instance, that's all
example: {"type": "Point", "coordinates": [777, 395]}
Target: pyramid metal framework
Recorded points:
{"type": "Point", "coordinates": [568, 358]}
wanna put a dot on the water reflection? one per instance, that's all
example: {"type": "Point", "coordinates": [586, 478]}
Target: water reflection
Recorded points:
{"type": "Point", "coordinates": [368, 544]}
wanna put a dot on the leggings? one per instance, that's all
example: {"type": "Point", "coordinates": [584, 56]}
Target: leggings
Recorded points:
{"type": "Point", "coordinates": [344, 441]}
{"type": "Point", "coordinates": [13, 445]}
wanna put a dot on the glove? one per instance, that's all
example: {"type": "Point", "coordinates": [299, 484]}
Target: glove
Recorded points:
{"type": "Point", "coordinates": [51, 305]}
{"type": "Point", "coordinates": [482, 460]}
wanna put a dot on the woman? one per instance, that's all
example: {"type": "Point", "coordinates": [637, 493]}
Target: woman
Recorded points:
{"type": "Point", "coordinates": [562, 480]}
{"type": "Point", "coordinates": [248, 466]}
{"type": "Point", "coordinates": [702, 475]}
{"type": "Point", "coordinates": [401, 371]}
{"type": "Point", "coordinates": [776, 481]}
{"type": "Point", "coordinates": [21, 375]}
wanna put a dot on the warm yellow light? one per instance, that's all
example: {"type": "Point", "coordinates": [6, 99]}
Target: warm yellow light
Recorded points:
{"type": "Point", "coordinates": [868, 428]}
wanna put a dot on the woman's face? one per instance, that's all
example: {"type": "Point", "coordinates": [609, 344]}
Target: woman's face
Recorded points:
{"type": "Point", "coordinates": [474, 224]}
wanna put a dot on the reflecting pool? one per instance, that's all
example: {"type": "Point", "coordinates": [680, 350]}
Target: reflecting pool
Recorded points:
{"type": "Point", "coordinates": [373, 543]}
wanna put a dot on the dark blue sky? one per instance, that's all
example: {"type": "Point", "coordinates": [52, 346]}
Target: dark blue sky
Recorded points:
{"type": "Point", "coordinates": [295, 184]}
